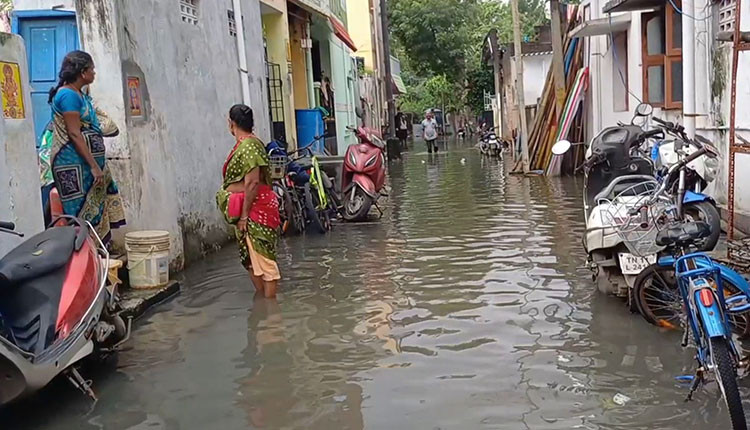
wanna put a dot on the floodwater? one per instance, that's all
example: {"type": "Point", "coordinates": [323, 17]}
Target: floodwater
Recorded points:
{"type": "Point", "coordinates": [467, 306]}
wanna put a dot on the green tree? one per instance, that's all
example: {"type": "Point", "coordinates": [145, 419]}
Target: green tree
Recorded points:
{"type": "Point", "coordinates": [444, 38]}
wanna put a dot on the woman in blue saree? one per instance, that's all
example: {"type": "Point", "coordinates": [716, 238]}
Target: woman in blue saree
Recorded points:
{"type": "Point", "coordinates": [82, 178]}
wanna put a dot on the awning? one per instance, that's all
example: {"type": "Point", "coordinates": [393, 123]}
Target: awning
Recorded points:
{"type": "Point", "coordinates": [398, 83]}
{"type": "Point", "coordinates": [602, 26]}
{"type": "Point", "coordinates": [632, 5]}
{"type": "Point", "coordinates": [340, 31]}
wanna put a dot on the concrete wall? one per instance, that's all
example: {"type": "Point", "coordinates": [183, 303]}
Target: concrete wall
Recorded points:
{"type": "Point", "coordinates": [535, 69]}
{"type": "Point", "coordinates": [189, 77]}
{"type": "Point", "coordinates": [44, 4]}
{"type": "Point", "coordinates": [20, 196]}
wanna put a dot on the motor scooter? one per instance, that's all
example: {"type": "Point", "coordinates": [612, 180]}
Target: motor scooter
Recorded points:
{"type": "Point", "coordinates": [363, 175]}
{"type": "Point", "coordinates": [609, 169]}
{"type": "Point", "coordinates": [55, 308]}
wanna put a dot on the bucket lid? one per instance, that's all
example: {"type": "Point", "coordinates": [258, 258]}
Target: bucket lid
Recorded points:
{"type": "Point", "coordinates": [147, 236]}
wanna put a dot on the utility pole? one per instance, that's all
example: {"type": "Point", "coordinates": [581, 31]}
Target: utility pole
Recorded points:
{"type": "Point", "coordinates": [495, 51]}
{"type": "Point", "coordinates": [558, 68]}
{"type": "Point", "coordinates": [523, 136]}
{"type": "Point", "coordinates": [388, 75]}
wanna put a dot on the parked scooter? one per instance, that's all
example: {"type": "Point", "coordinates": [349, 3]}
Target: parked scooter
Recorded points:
{"type": "Point", "coordinates": [55, 308]}
{"type": "Point", "coordinates": [363, 175]}
{"type": "Point", "coordinates": [610, 168]}
{"type": "Point", "coordinates": [613, 163]}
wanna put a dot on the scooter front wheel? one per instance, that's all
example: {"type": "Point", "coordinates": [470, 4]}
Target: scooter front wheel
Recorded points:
{"type": "Point", "coordinates": [705, 211]}
{"type": "Point", "coordinates": [357, 204]}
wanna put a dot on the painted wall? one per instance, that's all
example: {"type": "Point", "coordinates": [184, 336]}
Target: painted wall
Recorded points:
{"type": "Point", "coordinates": [343, 85]}
{"type": "Point", "coordinates": [20, 196]}
{"type": "Point", "coordinates": [299, 69]}
{"type": "Point", "coordinates": [276, 30]}
{"type": "Point", "coordinates": [360, 29]}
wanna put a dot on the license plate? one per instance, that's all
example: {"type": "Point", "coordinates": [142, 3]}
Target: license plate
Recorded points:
{"type": "Point", "coordinates": [632, 265]}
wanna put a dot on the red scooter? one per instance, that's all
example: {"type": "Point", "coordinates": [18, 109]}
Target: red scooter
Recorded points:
{"type": "Point", "coordinates": [363, 175]}
{"type": "Point", "coordinates": [55, 307]}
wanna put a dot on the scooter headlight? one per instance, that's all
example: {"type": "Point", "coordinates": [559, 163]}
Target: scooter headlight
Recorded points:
{"type": "Point", "coordinates": [371, 161]}
{"type": "Point", "coordinates": [711, 169]}
{"type": "Point", "coordinates": [352, 158]}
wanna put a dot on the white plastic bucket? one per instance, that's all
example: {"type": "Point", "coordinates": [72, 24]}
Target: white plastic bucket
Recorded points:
{"type": "Point", "coordinates": [148, 258]}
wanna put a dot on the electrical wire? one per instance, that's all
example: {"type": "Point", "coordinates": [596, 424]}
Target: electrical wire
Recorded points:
{"type": "Point", "coordinates": [678, 10]}
{"type": "Point", "coordinates": [614, 53]}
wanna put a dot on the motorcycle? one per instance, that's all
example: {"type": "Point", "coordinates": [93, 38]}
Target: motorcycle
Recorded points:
{"type": "Point", "coordinates": [363, 175]}
{"type": "Point", "coordinates": [696, 206]}
{"type": "Point", "coordinates": [55, 308]}
{"type": "Point", "coordinates": [282, 175]}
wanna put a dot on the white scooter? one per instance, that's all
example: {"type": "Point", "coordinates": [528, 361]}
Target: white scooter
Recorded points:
{"type": "Point", "coordinates": [610, 167]}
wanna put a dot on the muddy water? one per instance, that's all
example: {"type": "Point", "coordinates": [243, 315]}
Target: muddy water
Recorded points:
{"type": "Point", "coordinates": [466, 306]}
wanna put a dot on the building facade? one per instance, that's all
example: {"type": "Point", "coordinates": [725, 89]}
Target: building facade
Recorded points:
{"type": "Point", "coordinates": [637, 53]}
{"type": "Point", "coordinates": [167, 73]}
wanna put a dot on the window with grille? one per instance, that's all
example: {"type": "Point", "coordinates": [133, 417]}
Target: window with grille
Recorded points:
{"type": "Point", "coordinates": [189, 11]}
{"type": "Point", "coordinates": [726, 14]}
{"type": "Point", "coordinates": [232, 23]}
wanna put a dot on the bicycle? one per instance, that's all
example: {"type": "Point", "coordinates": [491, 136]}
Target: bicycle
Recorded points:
{"type": "Point", "coordinates": [290, 207]}
{"type": "Point", "coordinates": [317, 193]}
{"type": "Point", "coordinates": [708, 312]}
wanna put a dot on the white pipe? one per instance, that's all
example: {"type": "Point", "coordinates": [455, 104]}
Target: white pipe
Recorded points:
{"type": "Point", "coordinates": [241, 51]}
{"type": "Point", "coordinates": [688, 66]}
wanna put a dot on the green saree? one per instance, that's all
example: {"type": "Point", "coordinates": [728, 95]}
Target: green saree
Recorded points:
{"type": "Point", "coordinates": [249, 154]}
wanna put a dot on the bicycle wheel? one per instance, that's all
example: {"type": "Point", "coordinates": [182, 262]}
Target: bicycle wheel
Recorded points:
{"type": "Point", "coordinates": [317, 220]}
{"type": "Point", "coordinates": [658, 300]}
{"type": "Point", "coordinates": [298, 215]}
{"type": "Point", "coordinates": [726, 376]}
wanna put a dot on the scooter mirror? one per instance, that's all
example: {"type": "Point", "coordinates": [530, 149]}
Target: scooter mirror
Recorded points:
{"type": "Point", "coordinates": [561, 147]}
{"type": "Point", "coordinates": [644, 109]}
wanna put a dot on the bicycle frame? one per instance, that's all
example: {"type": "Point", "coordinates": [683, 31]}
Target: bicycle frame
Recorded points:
{"type": "Point", "coordinates": [706, 306]}
{"type": "Point", "coordinates": [316, 180]}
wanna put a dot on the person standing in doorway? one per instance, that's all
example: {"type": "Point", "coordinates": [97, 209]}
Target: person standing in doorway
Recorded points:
{"type": "Point", "coordinates": [247, 201]}
{"type": "Point", "coordinates": [430, 132]}
{"type": "Point", "coordinates": [402, 128]}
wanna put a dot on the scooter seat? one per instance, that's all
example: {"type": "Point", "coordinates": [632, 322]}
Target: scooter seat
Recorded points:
{"type": "Point", "coordinates": [41, 254]}
{"type": "Point", "coordinates": [683, 234]}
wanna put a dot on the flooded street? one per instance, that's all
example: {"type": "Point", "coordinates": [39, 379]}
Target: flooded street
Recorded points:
{"type": "Point", "coordinates": [466, 306]}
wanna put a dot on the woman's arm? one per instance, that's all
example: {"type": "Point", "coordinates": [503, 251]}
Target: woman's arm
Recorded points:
{"type": "Point", "coordinates": [252, 180]}
{"type": "Point", "coordinates": [73, 126]}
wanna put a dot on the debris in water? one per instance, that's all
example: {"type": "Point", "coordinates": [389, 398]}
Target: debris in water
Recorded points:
{"type": "Point", "coordinates": [463, 161]}
{"type": "Point", "coordinates": [621, 399]}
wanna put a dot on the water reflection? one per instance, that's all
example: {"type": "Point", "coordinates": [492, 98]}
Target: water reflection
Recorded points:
{"type": "Point", "coordinates": [468, 305]}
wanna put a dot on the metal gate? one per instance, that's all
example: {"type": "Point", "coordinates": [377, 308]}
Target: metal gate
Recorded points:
{"type": "Point", "coordinates": [276, 101]}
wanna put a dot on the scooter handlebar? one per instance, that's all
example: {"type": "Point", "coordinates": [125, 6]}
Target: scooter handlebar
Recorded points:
{"type": "Point", "coordinates": [7, 225]}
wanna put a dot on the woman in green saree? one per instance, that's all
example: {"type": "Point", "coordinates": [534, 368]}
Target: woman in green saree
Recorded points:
{"type": "Point", "coordinates": [247, 201]}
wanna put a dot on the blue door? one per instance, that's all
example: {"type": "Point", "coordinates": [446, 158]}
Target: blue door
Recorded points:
{"type": "Point", "coordinates": [47, 40]}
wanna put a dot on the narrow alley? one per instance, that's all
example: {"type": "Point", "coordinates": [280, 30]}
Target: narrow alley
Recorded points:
{"type": "Point", "coordinates": [467, 305]}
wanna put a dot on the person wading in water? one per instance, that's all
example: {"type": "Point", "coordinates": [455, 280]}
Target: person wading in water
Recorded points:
{"type": "Point", "coordinates": [247, 201]}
